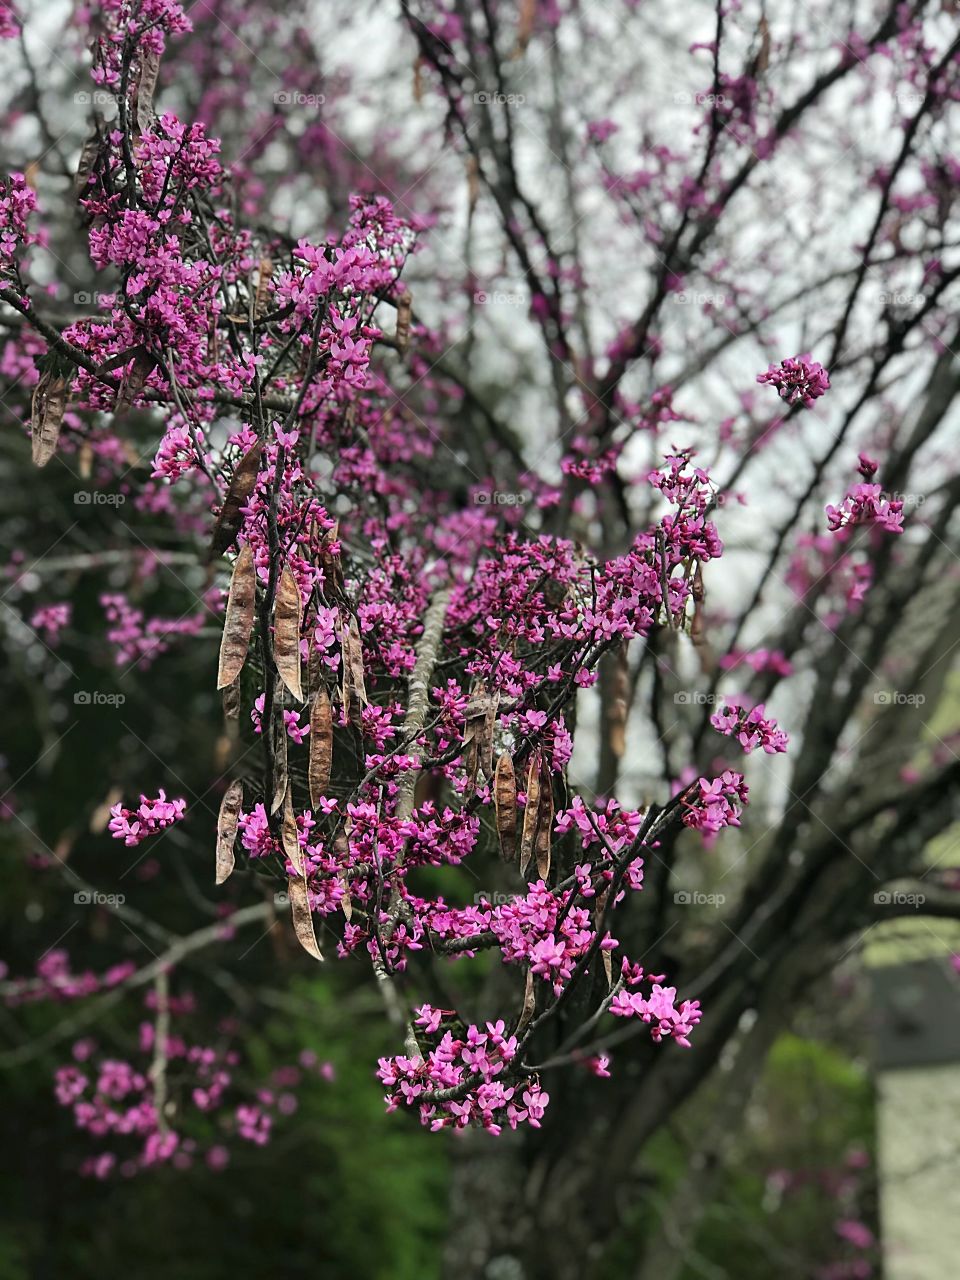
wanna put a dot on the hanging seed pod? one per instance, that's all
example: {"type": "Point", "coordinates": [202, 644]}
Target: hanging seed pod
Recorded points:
{"type": "Point", "coordinates": [321, 747]}
{"type": "Point", "coordinates": [46, 417]}
{"type": "Point", "coordinates": [286, 632]}
{"type": "Point", "coordinates": [231, 701]}
{"type": "Point", "coordinates": [278, 742]}
{"type": "Point", "coordinates": [303, 917]}
{"type": "Point", "coordinates": [262, 295]}
{"type": "Point", "coordinates": [530, 814]}
{"type": "Point", "coordinates": [134, 380]}
{"type": "Point", "coordinates": [544, 836]}
{"type": "Point", "coordinates": [238, 492]}
{"type": "Point", "coordinates": [289, 836]}
{"type": "Point", "coordinates": [505, 805]}
{"type": "Point", "coordinates": [146, 87]}
{"type": "Point", "coordinates": [227, 821]}
{"type": "Point", "coordinates": [404, 314]}
{"type": "Point", "coordinates": [238, 619]}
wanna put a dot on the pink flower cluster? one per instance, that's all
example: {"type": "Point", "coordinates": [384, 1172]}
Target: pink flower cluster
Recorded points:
{"type": "Point", "coordinates": [712, 805]}
{"type": "Point", "coordinates": [139, 640]}
{"type": "Point", "coordinates": [659, 1009]}
{"type": "Point", "coordinates": [17, 202]}
{"type": "Point", "coordinates": [50, 620]}
{"type": "Point", "coordinates": [751, 728]}
{"type": "Point", "coordinates": [797, 379]}
{"type": "Point", "coordinates": [117, 1100]}
{"type": "Point", "coordinates": [864, 504]}
{"type": "Point", "coordinates": [466, 1068]}
{"type": "Point", "coordinates": [543, 930]}
{"type": "Point", "coordinates": [55, 980]}
{"type": "Point", "coordinates": [133, 826]}
{"type": "Point", "coordinates": [772, 660]}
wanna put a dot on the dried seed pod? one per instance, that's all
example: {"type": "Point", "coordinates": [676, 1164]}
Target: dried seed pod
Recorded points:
{"type": "Point", "coordinates": [227, 820]}
{"type": "Point", "coordinates": [146, 87]}
{"type": "Point", "coordinates": [529, 1002]}
{"type": "Point", "coordinates": [88, 158]}
{"type": "Point", "coordinates": [286, 632]}
{"type": "Point", "coordinates": [404, 314]}
{"type": "Point", "coordinates": [134, 380]}
{"type": "Point", "coordinates": [288, 834]}
{"type": "Point", "coordinates": [505, 805]}
{"type": "Point", "coordinates": [530, 814]}
{"type": "Point", "coordinates": [278, 742]}
{"type": "Point", "coordinates": [303, 916]}
{"type": "Point", "coordinates": [47, 410]}
{"type": "Point", "coordinates": [238, 619]}
{"type": "Point", "coordinates": [544, 836]}
{"type": "Point", "coordinates": [262, 295]}
{"type": "Point", "coordinates": [321, 747]}
{"type": "Point", "coordinates": [354, 685]}
{"type": "Point", "coordinates": [231, 702]}
{"type": "Point", "coordinates": [238, 491]}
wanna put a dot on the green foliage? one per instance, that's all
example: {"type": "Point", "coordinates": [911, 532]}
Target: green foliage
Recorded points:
{"type": "Point", "coordinates": [812, 1108]}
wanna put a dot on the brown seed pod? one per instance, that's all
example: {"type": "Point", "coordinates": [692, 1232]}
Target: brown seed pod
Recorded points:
{"type": "Point", "coordinates": [238, 619]}
{"type": "Point", "coordinates": [238, 491]}
{"type": "Point", "coordinates": [286, 632]}
{"type": "Point", "coordinates": [227, 819]}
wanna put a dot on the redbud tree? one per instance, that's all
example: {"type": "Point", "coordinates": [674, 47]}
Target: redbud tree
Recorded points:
{"type": "Point", "coordinates": [535, 420]}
